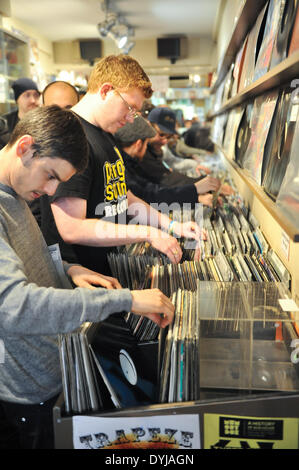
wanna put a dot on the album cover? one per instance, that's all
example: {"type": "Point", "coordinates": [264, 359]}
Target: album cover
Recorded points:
{"type": "Point", "coordinates": [279, 143]}
{"type": "Point", "coordinates": [285, 27]}
{"type": "Point", "coordinates": [294, 42]}
{"type": "Point", "coordinates": [238, 67]}
{"type": "Point", "coordinates": [270, 32]}
{"type": "Point", "coordinates": [233, 122]}
{"type": "Point", "coordinates": [261, 119]}
{"type": "Point", "coordinates": [253, 44]}
{"type": "Point", "coordinates": [288, 196]}
{"type": "Point", "coordinates": [243, 135]}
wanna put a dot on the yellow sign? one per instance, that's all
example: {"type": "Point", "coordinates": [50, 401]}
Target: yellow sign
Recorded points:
{"type": "Point", "coordinates": [245, 432]}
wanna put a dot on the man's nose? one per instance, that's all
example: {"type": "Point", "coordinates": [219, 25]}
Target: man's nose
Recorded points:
{"type": "Point", "coordinates": [33, 99]}
{"type": "Point", "coordinates": [50, 187]}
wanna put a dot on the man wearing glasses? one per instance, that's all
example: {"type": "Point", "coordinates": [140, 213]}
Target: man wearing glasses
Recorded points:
{"type": "Point", "coordinates": [92, 209]}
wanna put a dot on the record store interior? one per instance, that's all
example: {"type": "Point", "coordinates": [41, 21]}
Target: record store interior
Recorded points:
{"type": "Point", "coordinates": [217, 164]}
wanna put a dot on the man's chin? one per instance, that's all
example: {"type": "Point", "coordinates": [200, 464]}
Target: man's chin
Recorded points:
{"type": "Point", "coordinates": [121, 124]}
{"type": "Point", "coordinates": [33, 196]}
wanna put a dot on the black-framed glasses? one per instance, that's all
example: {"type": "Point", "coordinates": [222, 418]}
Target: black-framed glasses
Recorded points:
{"type": "Point", "coordinates": [132, 112]}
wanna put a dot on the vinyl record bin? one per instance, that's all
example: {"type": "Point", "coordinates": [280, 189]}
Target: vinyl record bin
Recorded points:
{"type": "Point", "coordinates": [247, 362]}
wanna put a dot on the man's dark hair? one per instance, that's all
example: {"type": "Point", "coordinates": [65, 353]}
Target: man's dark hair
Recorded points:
{"type": "Point", "coordinates": [56, 132]}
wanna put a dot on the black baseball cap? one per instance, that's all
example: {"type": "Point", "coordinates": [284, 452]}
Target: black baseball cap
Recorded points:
{"type": "Point", "coordinates": [165, 118]}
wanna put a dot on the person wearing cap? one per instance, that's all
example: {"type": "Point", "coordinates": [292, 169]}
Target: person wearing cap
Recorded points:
{"type": "Point", "coordinates": [93, 210]}
{"type": "Point", "coordinates": [133, 139]}
{"type": "Point", "coordinates": [47, 146]}
{"type": "Point", "coordinates": [27, 98]}
{"type": "Point", "coordinates": [174, 157]}
{"type": "Point", "coordinates": [152, 166]}
{"type": "Point", "coordinates": [175, 152]}
{"type": "Point", "coordinates": [198, 135]}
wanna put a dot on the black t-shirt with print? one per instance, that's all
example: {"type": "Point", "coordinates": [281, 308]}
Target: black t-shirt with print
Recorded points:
{"type": "Point", "coordinates": [103, 186]}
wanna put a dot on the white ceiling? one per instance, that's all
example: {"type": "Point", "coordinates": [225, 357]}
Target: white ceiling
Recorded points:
{"type": "Point", "coordinates": [77, 19]}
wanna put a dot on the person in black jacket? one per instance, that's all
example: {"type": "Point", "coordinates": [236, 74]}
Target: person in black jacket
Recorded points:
{"type": "Point", "coordinates": [133, 138]}
{"type": "Point", "coordinates": [152, 167]}
{"type": "Point", "coordinates": [27, 97]}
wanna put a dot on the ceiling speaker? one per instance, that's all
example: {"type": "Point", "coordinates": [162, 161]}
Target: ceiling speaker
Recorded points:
{"type": "Point", "coordinates": [90, 49]}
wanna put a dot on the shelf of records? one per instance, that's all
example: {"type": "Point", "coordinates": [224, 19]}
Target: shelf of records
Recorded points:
{"type": "Point", "coordinates": [262, 53]}
{"type": "Point", "coordinates": [260, 139]}
{"type": "Point", "coordinates": [234, 332]}
{"type": "Point", "coordinates": [286, 72]}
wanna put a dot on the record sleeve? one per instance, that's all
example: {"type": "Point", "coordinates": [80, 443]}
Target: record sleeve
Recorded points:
{"type": "Point", "coordinates": [253, 45]}
{"type": "Point", "coordinates": [228, 85]}
{"type": "Point", "coordinates": [294, 44]}
{"type": "Point", "coordinates": [233, 122]}
{"type": "Point", "coordinates": [285, 26]}
{"type": "Point", "coordinates": [279, 143]}
{"type": "Point", "coordinates": [243, 134]}
{"type": "Point", "coordinates": [239, 61]}
{"type": "Point", "coordinates": [261, 119]}
{"type": "Point", "coordinates": [288, 196]}
{"type": "Point", "coordinates": [270, 32]}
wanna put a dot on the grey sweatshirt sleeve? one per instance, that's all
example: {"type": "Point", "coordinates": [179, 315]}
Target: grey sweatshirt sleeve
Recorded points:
{"type": "Point", "coordinates": [26, 308]}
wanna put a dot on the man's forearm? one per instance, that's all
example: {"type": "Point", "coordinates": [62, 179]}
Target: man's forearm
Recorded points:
{"type": "Point", "coordinates": [145, 214]}
{"type": "Point", "coordinates": [97, 232]}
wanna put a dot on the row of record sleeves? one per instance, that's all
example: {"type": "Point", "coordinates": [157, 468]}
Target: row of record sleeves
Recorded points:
{"type": "Point", "coordinates": [273, 38]}
{"type": "Point", "coordinates": [234, 250]}
{"type": "Point", "coordinates": [209, 344]}
{"type": "Point", "coordinates": [91, 382]}
{"type": "Point", "coordinates": [223, 337]}
{"type": "Point", "coordinates": [262, 137]}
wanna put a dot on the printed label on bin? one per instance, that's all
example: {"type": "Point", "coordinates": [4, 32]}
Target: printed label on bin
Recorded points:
{"type": "Point", "coordinates": [146, 432]}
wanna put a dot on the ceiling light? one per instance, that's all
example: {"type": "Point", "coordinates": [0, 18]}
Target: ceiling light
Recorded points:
{"type": "Point", "coordinates": [128, 47]}
{"type": "Point", "coordinates": [116, 28]}
{"type": "Point", "coordinates": [122, 41]}
{"type": "Point", "coordinates": [106, 26]}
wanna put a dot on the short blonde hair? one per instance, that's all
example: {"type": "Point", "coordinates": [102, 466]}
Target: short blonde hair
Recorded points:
{"type": "Point", "coordinates": [122, 71]}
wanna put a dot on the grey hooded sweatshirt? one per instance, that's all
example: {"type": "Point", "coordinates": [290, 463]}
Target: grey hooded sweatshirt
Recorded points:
{"type": "Point", "coordinates": [34, 306]}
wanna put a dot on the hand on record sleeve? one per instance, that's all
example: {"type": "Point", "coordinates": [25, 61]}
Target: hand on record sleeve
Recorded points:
{"type": "Point", "coordinates": [206, 199]}
{"type": "Point", "coordinates": [209, 183]}
{"type": "Point", "coordinates": [188, 230]}
{"type": "Point", "coordinates": [201, 168]}
{"type": "Point", "coordinates": [83, 277]}
{"type": "Point", "coordinates": [153, 304]}
{"type": "Point", "coordinates": [226, 190]}
{"type": "Point", "coordinates": [167, 244]}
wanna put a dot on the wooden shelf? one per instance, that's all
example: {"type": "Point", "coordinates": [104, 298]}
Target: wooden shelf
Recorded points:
{"type": "Point", "coordinates": [246, 21]}
{"type": "Point", "coordinates": [282, 74]}
{"type": "Point", "coordinates": [291, 230]}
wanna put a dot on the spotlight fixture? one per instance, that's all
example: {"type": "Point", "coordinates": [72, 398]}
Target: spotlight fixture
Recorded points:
{"type": "Point", "coordinates": [122, 41]}
{"type": "Point", "coordinates": [128, 47]}
{"type": "Point", "coordinates": [115, 28]}
{"type": "Point", "coordinates": [107, 25]}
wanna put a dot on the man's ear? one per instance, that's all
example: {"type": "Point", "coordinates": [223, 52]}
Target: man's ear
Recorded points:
{"type": "Point", "coordinates": [138, 144]}
{"type": "Point", "coordinates": [24, 146]}
{"type": "Point", "coordinates": [104, 89]}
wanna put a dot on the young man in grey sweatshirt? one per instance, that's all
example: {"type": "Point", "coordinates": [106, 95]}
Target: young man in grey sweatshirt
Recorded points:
{"type": "Point", "coordinates": [47, 146]}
